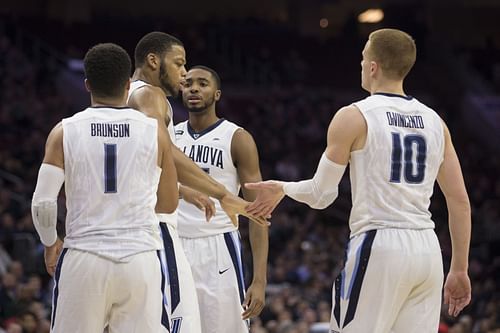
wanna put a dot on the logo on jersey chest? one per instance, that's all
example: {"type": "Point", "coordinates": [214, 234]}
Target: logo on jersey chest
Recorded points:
{"type": "Point", "coordinates": [205, 154]}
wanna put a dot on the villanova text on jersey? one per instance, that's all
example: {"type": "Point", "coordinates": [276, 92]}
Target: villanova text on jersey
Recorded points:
{"type": "Point", "coordinates": [401, 120]}
{"type": "Point", "coordinates": [206, 155]}
{"type": "Point", "coordinates": [110, 130]}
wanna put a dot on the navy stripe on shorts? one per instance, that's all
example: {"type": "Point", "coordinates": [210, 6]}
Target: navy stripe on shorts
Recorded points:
{"type": "Point", "coordinates": [57, 276]}
{"type": "Point", "coordinates": [236, 263]}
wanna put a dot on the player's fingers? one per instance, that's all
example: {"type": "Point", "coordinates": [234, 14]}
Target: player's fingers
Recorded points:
{"type": "Point", "coordinates": [256, 307]}
{"type": "Point", "coordinates": [254, 186]}
{"type": "Point", "coordinates": [446, 296]}
{"type": "Point", "coordinates": [249, 312]}
{"type": "Point", "coordinates": [461, 304]}
{"type": "Point", "coordinates": [452, 307]}
{"type": "Point", "coordinates": [247, 300]}
{"type": "Point", "coordinates": [211, 208]}
{"type": "Point", "coordinates": [208, 215]}
{"type": "Point", "coordinates": [259, 305]}
{"type": "Point", "coordinates": [267, 210]}
{"type": "Point", "coordinates": [254, 208]}
{"type": "Point", "coordinates": [199, 205]}
{"type": "Point", "coordinates": [260, 209]}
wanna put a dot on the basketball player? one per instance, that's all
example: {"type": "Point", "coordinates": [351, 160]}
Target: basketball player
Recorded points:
{"type": "Point", "coordinates": [397, 148]}
{"type": "Point", "coordinates": [160, 69]}
{"type": "Point", "coordinates": [227, 153]}
{"type": "Point", "coordinates": [112, 160]}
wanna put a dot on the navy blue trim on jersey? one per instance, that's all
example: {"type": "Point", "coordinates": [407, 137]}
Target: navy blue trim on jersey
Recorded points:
{"type": "Point", "coordinates": [164, 315]}
{"type": "Point", "coordinates": [197, 135]}
{"type": "Point", "coordinates": [57, 276]}
{"type": "Point", "coordinates": [359, 275]}
{"type": "Point", "coordinates": [173, 276]}
{"type": "Point", "coordinates": [237, 265]}
{"type": "Point", "coordinates": [407, 97]}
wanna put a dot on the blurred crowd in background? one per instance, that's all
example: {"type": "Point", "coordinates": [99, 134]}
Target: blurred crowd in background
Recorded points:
{"type": "Point", "coordinates": [284, 92]}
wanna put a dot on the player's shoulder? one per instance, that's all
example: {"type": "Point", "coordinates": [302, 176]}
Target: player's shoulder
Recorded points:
{"type": "Point", "coordinates": [241, 136]}
{"type": "Point", "coordinates": [349, 114]}
{"type": "Point", "coordinates": [147, 91]}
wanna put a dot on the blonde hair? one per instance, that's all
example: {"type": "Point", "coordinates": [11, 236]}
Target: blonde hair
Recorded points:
{"type": "Point", "coordinates": [394, 51]}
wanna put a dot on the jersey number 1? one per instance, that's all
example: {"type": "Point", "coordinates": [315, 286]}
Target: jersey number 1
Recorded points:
{"type": "Point", "coordinates": [404, 153]}
{"type": "Point", "coordinates": [110, 168]}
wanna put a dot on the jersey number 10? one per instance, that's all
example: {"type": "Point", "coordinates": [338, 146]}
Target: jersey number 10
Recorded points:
{"type": "Point", "coordinates": [404, 153]}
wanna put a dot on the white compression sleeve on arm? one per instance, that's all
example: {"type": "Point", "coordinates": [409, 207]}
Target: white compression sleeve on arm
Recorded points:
{"type": "Point", "coordinates": [320, 191]}
{"type": "Point", "coordinates": [44, 202]}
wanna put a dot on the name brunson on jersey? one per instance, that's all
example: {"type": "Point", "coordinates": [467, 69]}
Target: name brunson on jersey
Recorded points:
{"type": "Point", "coordinates": [401, 120]}
{"type": "Point", "coordinates": [205, 154]}
{"type": "Point", "coordinates": [110, 130]}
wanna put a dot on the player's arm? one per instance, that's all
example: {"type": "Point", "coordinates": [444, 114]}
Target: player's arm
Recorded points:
{"type": "Point", "coordinates": [152, 102]}
{"type": "Point", "coordinates": [246, 157]}
{"type": "Point", "coordinates": [344, 132]}
{"type": "Point", "coordinates": [44, 202]}
{"type": "Point", "coordinates": [450, 179]}
{"type": "Point", "coordinates": [168, 192]}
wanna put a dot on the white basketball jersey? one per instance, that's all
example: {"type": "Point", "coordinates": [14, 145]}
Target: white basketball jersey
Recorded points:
{"type": "Point", "coordinates": [392, 177]}
{"type": "Point", "coordinates": [111, 179]}
{"type": "Point", "coordinates": [211, 151]}
{"type": "Point", "coordinates": [134, 85]}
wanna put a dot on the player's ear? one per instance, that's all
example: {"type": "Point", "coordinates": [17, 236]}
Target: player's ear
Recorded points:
{"type": "Point", "coordinates": [218, 94]}
{"type": "Point", "coordinates": [374, 68]}
{"type": "Point", "coordinates": [87, 86]}
{"type": "Point", "coordinates": [127, 86]}
{"type": "Point", "coordinates": [153, 61]}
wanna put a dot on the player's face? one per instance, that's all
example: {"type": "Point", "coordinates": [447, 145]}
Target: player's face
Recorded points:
{"type": "Point", "coordinates": [173, 70]}
{"type": "Point", "coordinates": [365, 69]}
{"type": "Point", "coordinates": [200, 90]}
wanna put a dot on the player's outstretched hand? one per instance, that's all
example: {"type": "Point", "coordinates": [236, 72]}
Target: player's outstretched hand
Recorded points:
{"type": "Point", "coordinates": [51, 254]}
{"type": "Point", "coordinates": [269, 195]}
{"type": "Point", "coordinates": [234, 205]}
{"type": "Point", "coordinates": [200, 200]}
{"type": "Point", "coordinates": [457, 292]}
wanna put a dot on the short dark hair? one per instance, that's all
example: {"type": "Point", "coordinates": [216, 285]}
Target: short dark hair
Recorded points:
{"type": "Point", "coordinates": [154, 42]}
{"type": "Point", "coordinates": [107, 69]}
{"type": "Point", "coordinates": [212, 72]}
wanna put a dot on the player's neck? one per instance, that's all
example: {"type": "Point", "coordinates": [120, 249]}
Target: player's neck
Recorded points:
{"type": "Point", "coordinates": [200, 121]}
{"type": "Point", "coordinates": [140, 74]}
{"type": "Point", "coordinates": [107, 101]}
{"type": "Point", "coordinates": [388, 86]}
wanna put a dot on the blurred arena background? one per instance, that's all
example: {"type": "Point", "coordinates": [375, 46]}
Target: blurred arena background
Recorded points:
{"type": "Point", "coordinates": [286, 67]}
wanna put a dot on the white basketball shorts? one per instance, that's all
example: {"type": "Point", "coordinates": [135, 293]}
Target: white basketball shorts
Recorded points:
{"type": "Point", "coordinates": [218, 275]}
{"type": "Point", "coordinates": [91, 292]}
{"type": "Point", "coordinates": [391, 283]}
